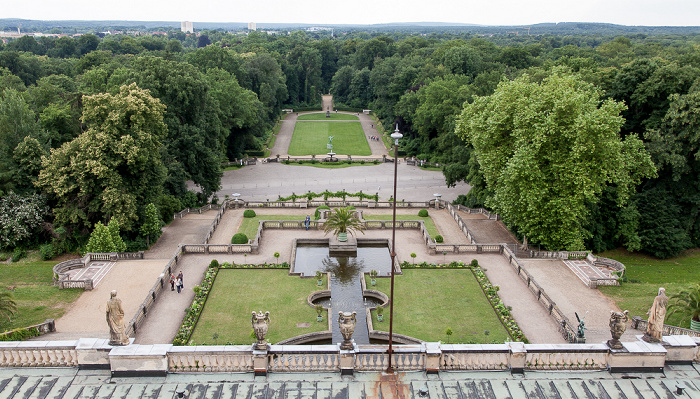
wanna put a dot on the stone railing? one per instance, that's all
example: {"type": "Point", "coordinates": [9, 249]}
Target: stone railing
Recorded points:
{"type": "Point", "coordinates": [640, 324]}
{"type": "Point", "coordinates": [432, 357]}
{"type": "Point", "coordinates": [161, 282]}
{"type": "Point", "coordinates": [215, 223]}
{"type": "Point", "coordinates": [42, 328]}
{"type": "Point", "coordinates": [335, 203]}
{"type": "Point", "coordinates": [567, 329]}
{"type": "Point", "coordinates": [60, 270]}
{"type": "Point", "coordinates": [186, 211]}
{"type": "Point", "coordinates": [482, 211]}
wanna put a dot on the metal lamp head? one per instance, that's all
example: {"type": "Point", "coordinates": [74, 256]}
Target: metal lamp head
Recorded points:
{"type": "Point", "coordinates": [396, 135]}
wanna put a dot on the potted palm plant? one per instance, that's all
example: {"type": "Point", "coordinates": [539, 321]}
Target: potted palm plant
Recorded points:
{"type": "Point", "coordinates": [687, 304]}
{"type": "Point", "coordinates": [319, 312]}
{"type": "Point", "coordinates": [380, 313]}
{"type": "Point", "coordinates": [319, 277]}
{"type": "Point", "coordinates": [341, 222]}
{"type": "Point", "coordinates": [373, 274]}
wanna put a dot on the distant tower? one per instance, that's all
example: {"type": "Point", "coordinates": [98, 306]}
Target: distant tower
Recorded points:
{"type": "Point", "coordinates": [186, 27]}
{"type": "Point", "coordinates": [251, 25]}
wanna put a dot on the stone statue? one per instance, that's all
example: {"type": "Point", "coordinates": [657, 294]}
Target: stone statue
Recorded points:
{"type": "Point", "coordinates": [260, 322]}
{"type": "Point", "coordinates": [346, 322]}
{"type": "Point", "coordinates": [330, 139]}
{"type": "Point", "coordinates": [657, 314]}
{"type": "Point", "coordinates": [618, 325]}
{"type": "Point", "coordinates": [581, 333]}
{"type": "Point", "coordinates": [115, 320]}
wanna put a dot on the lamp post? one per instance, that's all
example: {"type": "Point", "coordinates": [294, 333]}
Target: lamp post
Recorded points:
{"type": "Point", "coordinates": [396, 136]}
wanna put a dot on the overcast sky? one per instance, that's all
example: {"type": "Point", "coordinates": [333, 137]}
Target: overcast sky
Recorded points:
{"type": "Point", "coordinates": [484, 12]}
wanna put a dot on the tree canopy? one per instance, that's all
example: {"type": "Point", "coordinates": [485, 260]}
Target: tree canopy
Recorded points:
{"type": "Point", "coordinates": [547, 150]}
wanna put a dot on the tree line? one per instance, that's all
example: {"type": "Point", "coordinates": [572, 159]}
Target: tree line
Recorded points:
{"type": "Point", "coordinates": [94, 129]}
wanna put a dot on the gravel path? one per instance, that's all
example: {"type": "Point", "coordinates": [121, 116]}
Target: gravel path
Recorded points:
{"type": "Point", "coordinates": [571, 295]}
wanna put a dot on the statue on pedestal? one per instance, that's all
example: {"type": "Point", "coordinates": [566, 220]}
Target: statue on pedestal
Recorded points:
{"type": "Point", "coordinates": [618, 325]}
{"type": "Point", "coordinates": [260, 322]}
{"type": "Point", "coordinates": [346, 322]}
{"type": "Point", "coordinates": [657, 314]}
{"type": "Point", "coordinates": [115, 320]}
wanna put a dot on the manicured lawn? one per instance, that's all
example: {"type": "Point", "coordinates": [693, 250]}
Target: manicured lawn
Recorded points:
{"type": "Point", "coordinates": [249, 226]}
{"type": "Point", "coordinates": [311, 138]}
{"type": "Point", "coordinates": [238, 292]}
{"type": "Point", "coordinates": [31, 284]}
{"type": "Point", "coordinates": [430, 301]}
{"type": "Point", "coordinates": [429, 225]}
{"type": "Point", "coordinates": [646, 274]}
{"type": "Point", "coordinates": [322, 116]}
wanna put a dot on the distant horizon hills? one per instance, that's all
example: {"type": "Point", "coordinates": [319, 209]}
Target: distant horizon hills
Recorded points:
{"type": "Point", "coordinates": [544, 27]}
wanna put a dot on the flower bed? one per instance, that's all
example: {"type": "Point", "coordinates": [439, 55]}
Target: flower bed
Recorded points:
{"type": "Point", "coordinates": [202, 293]}
{"type": "Point", "coordinates": [490, 291]}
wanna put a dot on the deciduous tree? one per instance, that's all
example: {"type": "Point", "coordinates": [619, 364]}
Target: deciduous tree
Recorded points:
{"type": "Point", "coordinates": [546, 150]}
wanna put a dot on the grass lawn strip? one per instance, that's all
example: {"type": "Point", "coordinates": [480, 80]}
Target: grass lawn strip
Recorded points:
{"type": "Point", "coordinates": [31, 284]}
{"type": "Point", "coordinates": [430, 301]}
{"type": "Point", "coordinates": [317, 116]}
{"type": "Point", "coordinates": [311, 138]}
{"type": "Point", "coordinates": [646, 274]}
{"type": "Point", "coordinates": [429, 224]}
{"type": "Point", "coordinates": [256, 290]}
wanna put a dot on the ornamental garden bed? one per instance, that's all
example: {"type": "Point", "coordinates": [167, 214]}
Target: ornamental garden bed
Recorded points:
{"type": "Point", "coordinates": [432, 298]}
{"type": "Point", "coordinates": [220, 313]}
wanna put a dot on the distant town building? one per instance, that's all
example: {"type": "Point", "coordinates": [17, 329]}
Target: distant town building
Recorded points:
{"type": "Point", "coordinates": [186, 27]}
{"type": "Point", "coordinates": [251, 26]}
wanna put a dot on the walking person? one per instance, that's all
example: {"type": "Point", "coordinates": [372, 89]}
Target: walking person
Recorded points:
{"type": "Point", "coordinates": [179, 285]}
{"type": "Point", "coordinates": [172, 282]}
{"type": "Point", "coordinates": [182, 279]}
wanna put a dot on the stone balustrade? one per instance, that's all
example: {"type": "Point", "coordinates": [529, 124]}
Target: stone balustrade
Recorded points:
{"type": "Point", "coordinates": [133, 360]}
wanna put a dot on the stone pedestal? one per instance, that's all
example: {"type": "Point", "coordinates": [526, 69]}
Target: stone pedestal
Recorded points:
{"type": "Point", "coordinates": [93, 353]}
{"type": "Point", "coordinates": [517, 357]}
{"type": "Point", "coordinates": [681, 349]}
{"type": "Point", "coordinates": [637, 356]}
{"type": "Point", "coordinates": [432, 357]}
{"type": "Point", "coordinates": [347, 360]}
{"type": "Point", "coordinates": [346, 248]}
{"type": "Point", "coordinates": [139, 360]}
{"type": "Point", "coordinates": [260, 362]}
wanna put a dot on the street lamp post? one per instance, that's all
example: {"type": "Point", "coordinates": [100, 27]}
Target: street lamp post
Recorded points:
{"type": "Point", "coordinates": [396, 136]}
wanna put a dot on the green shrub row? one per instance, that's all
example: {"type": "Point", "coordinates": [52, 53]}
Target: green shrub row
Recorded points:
{"type": "Point", "coordinates": [490, 291]}
{"type": "Point", "coordinates": [330, 194]}
{"type": "Point", "coordinates": [201, 293]}
{"type": "Point", "coordinates": [316, 161]}
{"type": "Point", "coordinates": [20, 334]}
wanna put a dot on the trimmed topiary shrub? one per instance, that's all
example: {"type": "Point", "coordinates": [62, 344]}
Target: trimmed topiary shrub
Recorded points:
{"type": "Point", "coordinates": [317, 214]}
{"type": "Point", "coordinates": [249, 213]}
{"type": "Point", "coordinates": [239, 238]}
{"type": "Point", "coordinates": [423, 213]}
{"type": "Point", "coordinates": [438, 238]}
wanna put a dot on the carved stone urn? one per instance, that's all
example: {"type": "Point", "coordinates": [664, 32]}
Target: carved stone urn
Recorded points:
{"type": "Point", "coordinates": [618, 325]}
{"type": "Point", "coordinates": [260, 322]}
{"type": "Point", "coordinates": [346, 322]}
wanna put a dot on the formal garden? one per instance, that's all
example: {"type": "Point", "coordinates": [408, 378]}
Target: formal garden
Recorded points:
{"type": "Point", "coordinates": [311, 138]}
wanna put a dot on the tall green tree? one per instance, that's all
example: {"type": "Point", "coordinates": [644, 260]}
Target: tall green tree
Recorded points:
{"type": "Point", "coordinates": [547, 149]}
{"type": "Point", "coordinates": [114, 168]}
{"type": "Point", "coordinates": [151, 223]}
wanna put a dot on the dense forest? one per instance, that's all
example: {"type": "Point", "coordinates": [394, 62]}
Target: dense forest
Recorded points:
{"type": "Point", "coordinates": [98, 131]}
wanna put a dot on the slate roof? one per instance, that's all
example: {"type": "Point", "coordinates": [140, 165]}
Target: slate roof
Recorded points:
{"type": "Point", "coordinates": [69, 383]}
